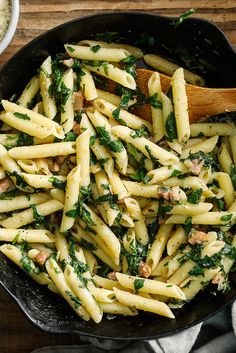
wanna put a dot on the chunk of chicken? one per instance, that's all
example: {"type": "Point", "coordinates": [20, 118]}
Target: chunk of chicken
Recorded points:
{"type": "Point", "coordinates": [41, 257]}
{"type": "Point", "coordinates": [144, 270]}
{"type": "Point", "coordinates": [197, 237]}
{"type": "Point", "coordinates": [78, 100]}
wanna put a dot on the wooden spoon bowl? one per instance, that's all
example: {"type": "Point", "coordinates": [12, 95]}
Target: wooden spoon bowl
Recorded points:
{"type": "Point", "coordinates": [202, 102]}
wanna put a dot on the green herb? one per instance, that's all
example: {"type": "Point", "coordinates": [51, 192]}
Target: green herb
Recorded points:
{"type": "Point", "coordinates": [24, 139]}
{"type": "Point", "coordinates": [183, 17]}
{"type": "Point", "coordinates": [105, 139]}
{"type": "Point", "coordinates": [79, 266]}
{"type": "Point", "coordinates": [226, 217]}
{"type": "Point", "coordinates": [105, 67]}
{"type": "Point", "coordinates": [80, 210]}
{"type": "Point", "coordinates": [103, 161]}
{"type": "Point", "coordinates": [155, 103]}
{"type": "Point", "coordinates": [20, 182]}
{"type": "Point", "coordinates": [105, 186]}
{"type": "Point", "coordinates": [141, 132]}
{"type": "Point", "coordinates": [57, 183]}
{"type": "Point", "coordinates": [175, 173]}
{"type": "Point", "coordinates": [138, 283]}
{"type": "Point", "coordinates": [21, 116]}
{"type": "Point", "coordinates": [196, 271]}
{"type": "Point", "coordinates": [107, 198]}
{"type": "Point", "coordinates": [95, 48]}
{"type": "Point", "coordinates": [135, 257]}
{"type": "Point", "coordinates": [140, 175]}
{"type": "Point", "coordinates": [169, 285]}
{"type": "Point", "coordinates": [116, 114]}
{"type": "Point", "coordinates": [92, 140]}
{"type": "Point", "coordinates": [64, 95]}
{"type": "Point", "coordinates": [9, 195]}
{"type": "Point", "coordinates": [56, 270]}
{"type": "Point", "coordinates": [86, 193]}
{"type": "Point", "coordinates": [87, 245]}
{"type": "Point", "coordinates": [26, 263]}
{"type": "Point", "coordinates": [187, 226]}
{"type": "Point", "coordinates": [220, 204]}
{"type": "Point", "coordinates": [75, 300]}
{"type": "Point", "coordinates": [39, 220]}
{"type": "Point", "coordinates": [70, 136]}
{"type": "Point", "coordinates": [148, 149]}
{"type": "Point", "coordinates": [15, 240]}
{"type": "Point", "coordinates": [170, 127]}
{"type": "Point", "coordinates": [125, 98]}
{"type": "Point", "coordinates": [129, 59]}
{"type": "Point", "coordinates": [195, 196]}
{"type": "Point", "coordinates": [162, 210]}
{"type": "Point", "coordinates": [71, 49]}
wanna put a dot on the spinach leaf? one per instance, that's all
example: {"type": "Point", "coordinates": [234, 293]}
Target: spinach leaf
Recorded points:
{"type": "Point", "coordinates": [182, 17]}
{"type": "Point", "coordinates": [155, 103]}
{"type": "Point", "coordinates": [95, 48]}
{"type": "Point", "coordinates": [21, 116]}
{"type": "Point", "coordinates": [57, 183]}
{"type": "Point", "coordinates": [170, 127]}
{"type": "Point", "coordinates": [105, 139]}
{"type": "Point", "coordinates": [138, 283]}
{"type": "Point", "coordinates": [116, 114]}
{"type": "Point", "coordinates": [195, 196]}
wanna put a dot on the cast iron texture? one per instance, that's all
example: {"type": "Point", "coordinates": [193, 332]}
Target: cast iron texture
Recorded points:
{"type": "Point", "coordinates": [205, 47]}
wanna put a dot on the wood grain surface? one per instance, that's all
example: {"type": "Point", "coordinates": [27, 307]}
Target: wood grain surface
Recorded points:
{"type": "Point", "coordinates": [17, 335]}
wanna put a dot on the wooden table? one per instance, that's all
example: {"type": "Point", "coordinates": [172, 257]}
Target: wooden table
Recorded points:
{"type": "Point", "coordinates": [17, 335]}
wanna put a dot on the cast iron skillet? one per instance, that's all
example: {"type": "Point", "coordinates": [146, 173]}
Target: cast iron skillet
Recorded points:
{"type": "Point", "coordinates": [201, 45]}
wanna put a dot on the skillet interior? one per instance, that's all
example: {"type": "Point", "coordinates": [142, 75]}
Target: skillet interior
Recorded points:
{"type": "Point", "coordinates": [199, 39]}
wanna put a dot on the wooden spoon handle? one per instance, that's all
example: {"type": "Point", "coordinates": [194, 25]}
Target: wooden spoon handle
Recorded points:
{"type": "Point", "coordinates": [202, 102]}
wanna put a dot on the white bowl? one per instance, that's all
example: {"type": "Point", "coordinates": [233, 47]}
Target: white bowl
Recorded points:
{"type": "Point", "coordinates": [15, 9]}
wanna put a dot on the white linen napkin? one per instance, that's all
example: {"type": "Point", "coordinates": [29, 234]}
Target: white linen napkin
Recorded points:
{"type": "Point", "coordinates": [220, 329]}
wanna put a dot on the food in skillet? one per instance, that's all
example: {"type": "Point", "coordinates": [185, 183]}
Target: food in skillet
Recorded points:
{"type": "Point", "coordinates": [110, 211]}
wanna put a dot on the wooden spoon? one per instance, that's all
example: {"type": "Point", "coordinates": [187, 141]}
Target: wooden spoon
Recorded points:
{"type": "Point", "coordinates": [202, 102]}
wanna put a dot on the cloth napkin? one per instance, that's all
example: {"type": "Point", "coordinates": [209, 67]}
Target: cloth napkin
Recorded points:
{"type": "Point", "coordinates": [215, 335]}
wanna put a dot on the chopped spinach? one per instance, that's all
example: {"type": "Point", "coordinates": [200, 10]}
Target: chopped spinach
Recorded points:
{"type": "Point", "coordinates": [170, 127]}
{"type": "Point", "coordinates": [155, 103]}
{"type": "Point", "coordinates": [71, 49]}
{"type": "Point", "coordinates": [81, 211]}
{"type": "Point", "coordinates": [116, 114]}
{"type": "Point", "coordinates": [57, 183]}
{"type": "Point", "coordinates": [21, 116]}
{"type": "Point", "coordinates": [105, 139]}
{"type": "Point", "coordinates": [70, 136]}
{"type": "Point", "coordinates": [187, 226]}
{"type": "Point", "coordinates": [74, 299]}
{"type": "Point", "coordinates": [226, 218]}
{"type": "Point", "coordinates": [195, 196]}
{"type": "Point", "coordinates": [141, 132]}
{"type": "Point", "coordinates": [138, 284]}
{"type": "Point", "coordinates": [95, 48]}
{"type": "Point", "coordinates": [182, 17]}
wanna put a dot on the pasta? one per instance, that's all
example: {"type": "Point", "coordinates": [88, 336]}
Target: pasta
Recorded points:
{"type": "Point", "coordinates": [113, 212]}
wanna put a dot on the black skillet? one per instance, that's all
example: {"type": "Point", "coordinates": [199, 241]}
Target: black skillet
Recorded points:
{"type": "Point", "coordinates": [196, 43]}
